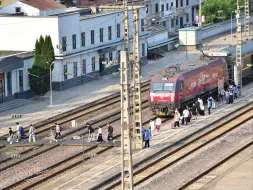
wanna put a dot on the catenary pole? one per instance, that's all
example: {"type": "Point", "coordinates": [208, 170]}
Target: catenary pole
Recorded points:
{"type": "Point", "coordinates": [126, 144]}
{"type": "Point", "coordinates": [137, 109]}
{"type": "Point", "coordinates": [246, 18]}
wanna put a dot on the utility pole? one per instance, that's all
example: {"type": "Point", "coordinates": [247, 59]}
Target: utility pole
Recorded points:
{"type": "Point", "coordinates": [137, 109]}
{"type": "Point", "coordinates": [238, 65]}
{"type": "Point", "coordinates": [246, 18]}
{"type": "Point", "coordinates": [126, 144]}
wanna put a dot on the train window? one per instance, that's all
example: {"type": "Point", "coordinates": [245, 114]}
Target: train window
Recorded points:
{"type": "Point", "coordinates": [162, 86]}
{"type": "Point", "coordinates": [181, 86]}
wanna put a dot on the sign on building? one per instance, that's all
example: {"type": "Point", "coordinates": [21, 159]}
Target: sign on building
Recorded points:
{"type": "Point", "coordinates": [73, 123]}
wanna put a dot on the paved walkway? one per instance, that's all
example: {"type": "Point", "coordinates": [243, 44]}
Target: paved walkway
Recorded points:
{"type": "Point", "coordinates": [95, 171]}
{"type": "Point", "coordinates": [71, 98]}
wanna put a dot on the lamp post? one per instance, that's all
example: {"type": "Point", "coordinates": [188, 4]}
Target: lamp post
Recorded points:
{"type": "Point", "coordinates": [51, 91]}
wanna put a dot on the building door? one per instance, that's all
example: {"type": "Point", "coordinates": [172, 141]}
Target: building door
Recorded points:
{"type": "Point", "coordinates": [1, 89]}
{"type": "Point", "coordinates": [181, 22]}
{"type": "Point", "coordinates": [9, 84]}
{"type": "Point", "coordinates": [102, 66]}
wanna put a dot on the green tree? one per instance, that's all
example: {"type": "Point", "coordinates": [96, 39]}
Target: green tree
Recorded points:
{"type": "Point", "coordinates": [218, 10]}
{"type": "Point", "coordinates": [40, 72]}
{"type": "Point", "coordinates": [68, 3]}
{"type": "Point", "coordinates": [39, 79]}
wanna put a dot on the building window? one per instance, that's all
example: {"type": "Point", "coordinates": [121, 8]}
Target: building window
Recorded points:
{"type": "Point", "coordinates": [83, 39]}
{"type": "Point", "coordinates": [177, 21]}
{"type": "Point", "coordinates": [143, 50]}
{"type": "Point", "coordinates": [118, 30]}
{"type": "Point", "coordinates": [110, 56]}
{"type": "Point", "coordinates": [75, 69]}
{"type": "Point", "coordinates": [146, 8]}
{"type": "Point", "coordinates": [187, 17]}
{"type": "Point", "coordinates": [182, 3]}
{"type": "Point", "coordinates": [64, 43]}
{"type": "Point", "coordinates": [177, 3]}
{"type": "Point", "coordinates": [118, 56]}
{"type": "Point", "coordinates": [21, 80]}
{"type": "Point", "coordinates": [101, 34]}
{"type": "Point", "coordinates": [187, 2]}
{"type": "Point", "coordinates": [167, 6]}
{"type": "Point", "coordinates": [18, 9]}
{"type": "Point", "coordinates": [84, 66]}
{"type": "Point", "coordinates": [171, 4]}
{"type": "Point", "coordinates": [172, 23]}
{"type": "Point", "coordinates": [74, 41]}
{"type": "Point", "coordinates": [164, 23]}
{"type": "Point", "coordinates": [65, 72]}
{"type": "Point", "coordinates": [9, 83]}
{"type": "Point", "coordinates": [93, 61]}
{"type": "Point", "coordinates": [92, 37]}
{"type": "Point", "coordinates": [162, 8]}
{"type": "Point", "coordinates": [142, 25]}
{"type": "Point", "coordinates": [156, 8]}
{"type": "Point", "coordinates": [109, 32]}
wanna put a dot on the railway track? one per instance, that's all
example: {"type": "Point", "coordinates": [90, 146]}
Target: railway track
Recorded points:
{"type": "Point", "coordinates": [169, 158]}
{"type": "Point", "coordinates": [82, 111]}
{"type": "Point", "coordinates": [64, 165]}
{"type": "Point", "coordinates": [200, 180]}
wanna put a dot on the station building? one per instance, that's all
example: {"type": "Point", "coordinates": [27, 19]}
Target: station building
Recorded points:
{"type": "Point", "coordinates": [14, 79]}
{"type": "Point", "coordinates": [86, 41]}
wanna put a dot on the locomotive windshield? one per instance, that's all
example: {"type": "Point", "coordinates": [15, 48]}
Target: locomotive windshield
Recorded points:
{"type": "Point", "coordinates": [162, 86]}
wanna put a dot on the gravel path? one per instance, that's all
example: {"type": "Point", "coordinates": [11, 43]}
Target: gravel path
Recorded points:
{"type": "Point", "coordinates": [38, 163]}
{"type": "Point", "coordinates": [171, 177]}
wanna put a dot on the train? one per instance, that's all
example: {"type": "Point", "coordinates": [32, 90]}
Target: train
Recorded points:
{"type": "Point", "coordinates": [176, 86]}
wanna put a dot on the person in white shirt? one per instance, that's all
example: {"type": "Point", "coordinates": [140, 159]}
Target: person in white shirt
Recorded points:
{"type": "Point", "coordinates": [186, 114]}
{"type": "Point", "coordinates": [31, 134]}
{"type": "Point", "coordinates": [158, 122]}
{"type": "Point", "coordinates": [100, 135]}
{"type": "Point", "coordinates": [58, 130]}
{"type": "Point", "coordinates": [18, 132]}
{"type": "Point", "coordinates": [152, 127]}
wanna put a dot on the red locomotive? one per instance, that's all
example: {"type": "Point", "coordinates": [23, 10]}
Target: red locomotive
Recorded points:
{"type": "Point", "coordinates": [176, 86]}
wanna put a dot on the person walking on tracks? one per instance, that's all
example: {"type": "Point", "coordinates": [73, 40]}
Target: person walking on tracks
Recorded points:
{"type": "Point", "coordinates": [235, 90]}
{"type": "Point", "coordinates": [110, 132]}
{"type": "Point", "coordinates": [147, 138]}
{"type": "Point", "coordinates": [31, 134]}
{"type": "Point", "coordinates": [18, 132]}
{"type": "Point", "coordinates": [186, 115]}
{"type": "Point", "coordinates": [152, 127]}
{"type": "Point", "coordinates": [10, 138]}
{"type": "Point", "coordinates": [158, 123]}
{"type": "Point", "coordinates": [58, 130]}
{"type": "Point", "coordinates": [100, 135]}
{"type": "Point", "coordinates": [91, 134]}
{"type": "Point", "coordinates": [176, 118]}
{"type": "Point", "coordinates": [52, 135]}
{"type": "Point", "coordinates": [209, 104]}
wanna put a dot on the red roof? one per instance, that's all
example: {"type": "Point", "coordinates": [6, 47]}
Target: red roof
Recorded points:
{"type": "Point", "coordinates": [43, 4]}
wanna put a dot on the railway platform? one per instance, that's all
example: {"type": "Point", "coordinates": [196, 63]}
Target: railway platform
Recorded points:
{"type": "Point", "coordinates": [35, 111]}
{"type": "Point", "coordinates": [96, 171]}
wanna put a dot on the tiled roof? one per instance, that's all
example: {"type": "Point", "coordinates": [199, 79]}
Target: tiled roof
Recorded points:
{"type": "Point", "coordinates": [43, 4]}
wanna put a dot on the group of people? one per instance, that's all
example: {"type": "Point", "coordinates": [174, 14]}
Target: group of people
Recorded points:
{"type": "Point", "coordinates": [92, 135]}
{"type": "Point", "coordinates": [229, 95]}
{"type": "Point", "coordinates": [19, 134]}
{"type": "Point", "coordinates": [154, 125]}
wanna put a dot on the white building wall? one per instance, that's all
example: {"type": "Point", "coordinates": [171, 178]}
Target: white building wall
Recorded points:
{"type": "Point", "coordinates": [19, 33]}
{"type": "Point", "coordinates": [51, 12]}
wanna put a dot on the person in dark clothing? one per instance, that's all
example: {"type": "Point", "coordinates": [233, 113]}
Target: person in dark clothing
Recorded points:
{"type": "Point", "coordinates": [10, 132]}
{"type": "Point", "coordinates": [90, 132]}
{"type": "Point", "coordinates": [110, 132]}
{"type": "Point", "coordinates": [10, 138]}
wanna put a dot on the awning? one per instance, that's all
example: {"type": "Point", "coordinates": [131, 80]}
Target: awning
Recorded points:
{"type": "Point", "coordinates": [107, 50]}
{"type": "Point", "coordinates": [11, 63]}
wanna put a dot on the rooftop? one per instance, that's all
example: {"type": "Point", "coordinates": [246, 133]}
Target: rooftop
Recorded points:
{"type": "Point", "coordinates": [10, 53]}
{"type": "Point", "coordinates": [43, 4]}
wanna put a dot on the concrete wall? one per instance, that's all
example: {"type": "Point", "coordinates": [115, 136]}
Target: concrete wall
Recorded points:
{"type": "Point", "coordinates": [219, 28]}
